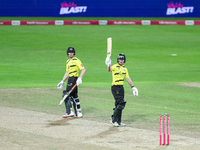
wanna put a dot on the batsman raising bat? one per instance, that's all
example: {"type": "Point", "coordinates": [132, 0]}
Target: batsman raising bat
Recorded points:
{"type": "Point", "coordinates": [119, 72]}
{"type": "Point", "coordinates": [73, 65]}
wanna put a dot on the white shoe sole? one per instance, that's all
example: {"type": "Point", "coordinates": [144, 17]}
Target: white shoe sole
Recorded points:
{"type": "Point", "coordinates": [114, 124]}
{"type": "Point", "coordinates": [68, 116]}
{"type": "Point", "coordinates": [123, 125]}
{"type": "Point", "coordinates": [79, 116]}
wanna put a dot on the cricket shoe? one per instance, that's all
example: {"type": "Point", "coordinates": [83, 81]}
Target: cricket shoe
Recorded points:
{"type": "Point", "coordinates": [79, 115]}
{"type": "Point", "coordinates": [115, 124]}
{"type": "Point", "coordinates": [69, 115]}
{"type": "Point", "coordinates": [122, 124]}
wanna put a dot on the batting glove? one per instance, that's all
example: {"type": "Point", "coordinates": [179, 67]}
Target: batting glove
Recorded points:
{"type": "Point", "coordinates": [79, 81]}
{"type": "Point", "coordinates": [108, 61]}
{"type": "Point", "coordinates": [60, 85]}
{"type": "Point", "coordinates": [135, 91]}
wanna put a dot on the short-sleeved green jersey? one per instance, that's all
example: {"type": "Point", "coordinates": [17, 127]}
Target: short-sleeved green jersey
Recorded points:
{"type": "Point", "coordinates": [118, 74]}
{"type": "Point", "coordinates": [73, 66]}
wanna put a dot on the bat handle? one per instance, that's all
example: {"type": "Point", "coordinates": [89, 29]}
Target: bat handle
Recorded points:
{"type": "Point", "coordinates": [67, 94]}
{"type": "Point", "coordinates": [74, 86]}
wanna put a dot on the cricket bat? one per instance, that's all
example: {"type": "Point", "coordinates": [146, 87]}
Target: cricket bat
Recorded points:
{"type": "Point", "coordinates": [109, 46]}
{"type": "Point", "coordinates": [66, 95]}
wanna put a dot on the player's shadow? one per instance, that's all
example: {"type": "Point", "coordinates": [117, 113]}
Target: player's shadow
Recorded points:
{"type": "Point", "coordinates": [61, 122]}
{"type": "Point", "coordinates": [111, 130]}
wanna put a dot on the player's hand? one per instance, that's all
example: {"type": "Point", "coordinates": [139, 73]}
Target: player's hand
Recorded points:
{"type": "Point", "coordinates": [135, 91]}
{"type": "Point", "coordinates": [60, 85]}
{"type": "Point", "coordinates": [108, 61]}
{"type": "Point", "coordinates": [79, 81]}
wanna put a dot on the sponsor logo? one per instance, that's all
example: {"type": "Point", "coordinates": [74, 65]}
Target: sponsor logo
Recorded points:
{"type": "Point", "coordinates": [146, 22]}
{"type": "Point", "coordinates": [103, 22]}
{"type": "Point", "coordinates": [178, 8]}
{"type": "Point", "coordinates": [189, 22]}
{"type": "Point", "coordinates": [81, 22]}
{"type": "Point", "coordinates": [168, 22]}
{"type": "Point", "coordinates": [124, 22]}
{"type": "Point", "coordinates": [37, 22]}
{"type": "Point", "coordinates": [68, 8]}
{"type": "Point", "coordinates": [59, 22]}
{"type": "Point", "coordinates": [15, 22]}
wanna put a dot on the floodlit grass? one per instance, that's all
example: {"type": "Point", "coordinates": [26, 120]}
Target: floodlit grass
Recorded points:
{"type": "Point", "coordinates": [35, 56]}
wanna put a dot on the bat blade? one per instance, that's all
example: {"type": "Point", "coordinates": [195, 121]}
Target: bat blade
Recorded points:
{"type": "Point", "coordinates": [62, 100]}
{"type": "Point", "coordinates": [109, 46]}
{"type": "Point", "coordinates": [66, 95]}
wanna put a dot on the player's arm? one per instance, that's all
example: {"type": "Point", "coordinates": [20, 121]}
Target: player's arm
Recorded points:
{"type": "Point", "coordinates": [83, 70]}
{"type": "Point", "coordinates": [109, 49]}
{"type": "Point", "coordinates": [135, 90]}
{"type": "Point", "coordinates": [129, 82]}
{"type": "Point", "coordinates": [82, 73]}
{"type": "Point", "coordinates": [110, 69]}
{"type": "Point", "coordinates": [65, 76]}
{"type": "Point", "coordinates": [79, 80]}
{"type": "Point", "coordinates": [60, 84]}
{"type": "Point", "coordinates": [108, 63]}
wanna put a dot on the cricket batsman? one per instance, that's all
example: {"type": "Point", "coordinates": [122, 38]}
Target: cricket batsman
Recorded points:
{"type": "Point", "coordinates": [73, 65]}
{"type": "Point", "coordinates": [119, 72]}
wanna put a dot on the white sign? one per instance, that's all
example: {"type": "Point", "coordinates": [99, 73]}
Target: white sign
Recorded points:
{"type": "Point", "coordinates": [103, 22]}
{"type": "Point", "coordinates": [189, 22]}
{"type": "Point", "coordinates": [146, 22]}
{"type": "Point", "coordinates": [59, 22]}
{"type": "Point", "coordinates": [15, 22]}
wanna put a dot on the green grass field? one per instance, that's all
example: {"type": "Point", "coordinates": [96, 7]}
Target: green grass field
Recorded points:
{"type": "Point", "coordinates": [34, 57]}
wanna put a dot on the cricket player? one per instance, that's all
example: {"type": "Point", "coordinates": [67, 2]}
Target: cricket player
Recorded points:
{"type": "Point", "coordinates": [73, 65]}
{"type": "Point", "coordinates": [119, 72]}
